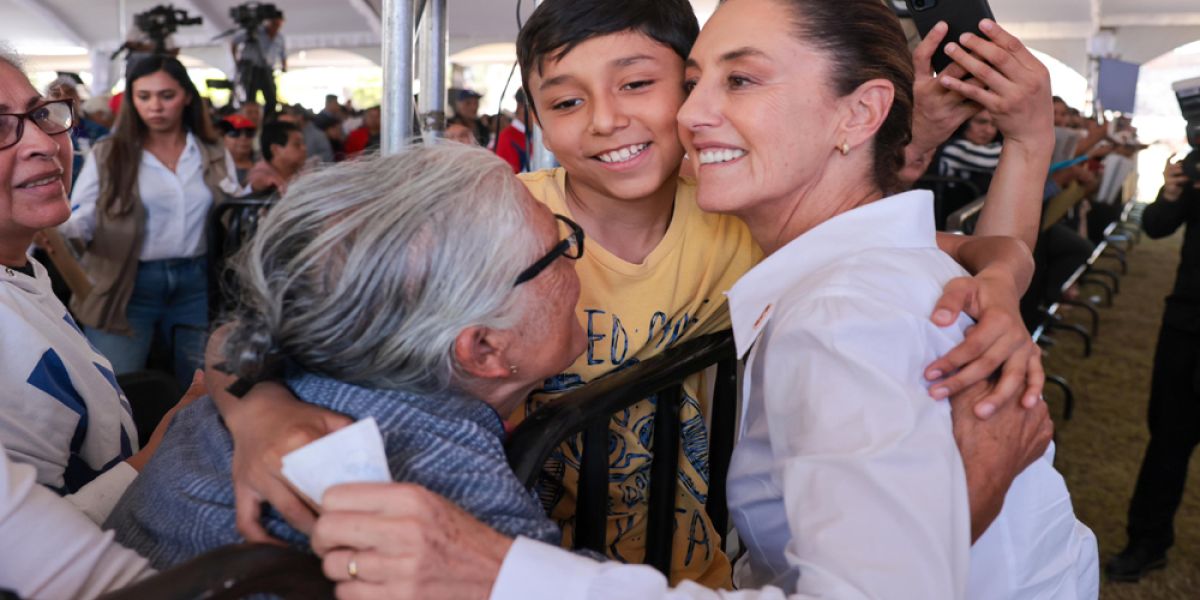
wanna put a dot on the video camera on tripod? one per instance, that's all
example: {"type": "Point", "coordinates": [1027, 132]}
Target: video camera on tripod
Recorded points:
{"type": "Point", "coordinates": [158, 23]}
{"type": "Point", "coordinates": [1188, 94]}
{"type": "Point", "coordinates": [253, 68]}
{"type": "Point", "coordinates": [250, 15]}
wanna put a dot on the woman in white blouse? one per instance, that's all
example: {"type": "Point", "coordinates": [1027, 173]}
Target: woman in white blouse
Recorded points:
{"type": "Point", "coordinates": [140, 207]}
{"type": "Point", "coordinates": [846, 481]}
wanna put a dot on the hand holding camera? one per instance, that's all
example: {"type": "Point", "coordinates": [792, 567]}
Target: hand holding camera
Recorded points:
{"type": "Point", "coordinates": [1175, 180]}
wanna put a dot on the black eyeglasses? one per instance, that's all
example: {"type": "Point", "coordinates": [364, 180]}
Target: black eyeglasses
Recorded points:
{"type": "Point", "coordinates": [240, 133]}
{"type": "Point", "coordinates": [53, 118]}
{"type": "Point", "coordinates": [571, 247]}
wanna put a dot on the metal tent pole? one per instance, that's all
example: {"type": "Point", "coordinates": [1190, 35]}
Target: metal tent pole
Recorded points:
{"type": "Point", "coordinates": [397, 111]}
{"type": "Point", "coordinates": [434, 52]}
{"type": "Point", "coordinates": [539, 156]}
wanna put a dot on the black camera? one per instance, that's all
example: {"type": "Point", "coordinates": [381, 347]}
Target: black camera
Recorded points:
{"type": "Point", "coordinates": [1188, 94]}
{"type": "Point", "coordinates": [252, 14]}
{"type": "Point", "coordinates": [161, 21]}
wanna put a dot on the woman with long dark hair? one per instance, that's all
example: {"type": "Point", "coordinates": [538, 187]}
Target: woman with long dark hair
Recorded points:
{"type": "Point", "coordinates": [140, 206]}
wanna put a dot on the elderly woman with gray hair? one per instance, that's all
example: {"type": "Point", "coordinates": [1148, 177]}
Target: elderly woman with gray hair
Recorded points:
{"type": "Point", "coordinates": [427, 290]}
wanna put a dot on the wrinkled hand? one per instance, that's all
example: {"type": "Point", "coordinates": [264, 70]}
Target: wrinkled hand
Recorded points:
{"type": "Point", "coordinates": [1016, 85]}
{"type": "Point", "coordinates": [937, 109]}
{"type": "Point", "coordinates": [196, 390]}
{"type": "Point", "coordinates": [998, 340]}
{"type": "Point", "coordinates": [269, 423]}
{"type": "Point", "coordinates": [995, 451]}
{"type": "Point", "coordinates": [406, 542]}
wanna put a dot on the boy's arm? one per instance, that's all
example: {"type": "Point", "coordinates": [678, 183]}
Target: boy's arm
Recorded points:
{"type": "Point", "coordinates": [1002, 269]}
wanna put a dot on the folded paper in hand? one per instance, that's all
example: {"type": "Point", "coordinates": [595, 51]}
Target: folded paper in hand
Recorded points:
{"type": "Point", "coordinates": [353, 454]}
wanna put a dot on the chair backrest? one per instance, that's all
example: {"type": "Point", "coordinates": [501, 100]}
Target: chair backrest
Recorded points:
{"type": "Point", "coordinates": [236, 572]}
{"type": "Point", "coordinates": [1058, 207]}
{"type": "Point", "coordinates": [964, 219]}
{"type": "Point", "coordinates": [948, 195]}
{"type": "Point", "coordinates": [589, 409]}
{"type": "Point", "coordinates": [230, 225]}
{"type": "Point", "coordinates": [151, 395]}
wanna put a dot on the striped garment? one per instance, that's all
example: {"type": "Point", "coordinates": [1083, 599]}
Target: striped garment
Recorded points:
{"type": "Point", "coordinates": [960, 158]}
{"type": "Point", "coordinates": [182, 504]}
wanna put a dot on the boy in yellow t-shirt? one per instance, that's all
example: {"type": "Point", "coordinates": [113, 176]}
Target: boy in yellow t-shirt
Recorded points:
{"type": "Point", "coordinates": [631, 312]}
{"type": "Point", "coordinates": [605, 80]}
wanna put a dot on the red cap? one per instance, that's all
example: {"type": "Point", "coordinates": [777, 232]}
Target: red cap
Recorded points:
{"type": "Point", "coordinates": [239, 122]}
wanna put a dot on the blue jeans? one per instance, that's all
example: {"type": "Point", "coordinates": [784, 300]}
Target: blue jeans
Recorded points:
{"type": "Point", "coordinates": [170, 297]}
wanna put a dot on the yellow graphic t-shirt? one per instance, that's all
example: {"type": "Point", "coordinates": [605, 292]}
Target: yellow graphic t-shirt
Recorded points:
{"type": "Point", "coordinates": [631, 313]}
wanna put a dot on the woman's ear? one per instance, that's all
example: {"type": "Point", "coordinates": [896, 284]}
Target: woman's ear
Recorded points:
{"type": "Point", "coordinates": [866, 110]}
{"type": "Point", "coordinates": [481, 352]}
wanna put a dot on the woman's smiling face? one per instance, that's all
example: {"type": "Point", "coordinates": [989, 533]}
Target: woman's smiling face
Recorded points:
{"type": "Point", "coordinates": [35, 173]}
{"type": "Point", "coordinates": [760, 122]}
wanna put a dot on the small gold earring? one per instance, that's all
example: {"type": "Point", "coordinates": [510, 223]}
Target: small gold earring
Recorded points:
{"type": "Point", "coordinates": [844, 148]}
{"type": "Point", "coordinates": [512, 369]}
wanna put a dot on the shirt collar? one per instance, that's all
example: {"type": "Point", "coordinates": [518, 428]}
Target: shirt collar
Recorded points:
{"type": "Point", "coordinates": [518, 125]}
{"type": "Point", "coordinates": [190, 147]}
{"type": "Point", "coordinates": [901, 221]}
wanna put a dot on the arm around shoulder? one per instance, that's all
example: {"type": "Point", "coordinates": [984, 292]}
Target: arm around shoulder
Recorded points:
{"type": "Point", "coordinates": [837, 454]}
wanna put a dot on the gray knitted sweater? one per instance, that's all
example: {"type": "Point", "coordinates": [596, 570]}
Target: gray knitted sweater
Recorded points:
{"type": "Point", "coordinates": [182, 504]}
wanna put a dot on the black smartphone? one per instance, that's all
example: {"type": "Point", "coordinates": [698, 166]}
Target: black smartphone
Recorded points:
{"type": "Point", "coordinates": [963, 16]}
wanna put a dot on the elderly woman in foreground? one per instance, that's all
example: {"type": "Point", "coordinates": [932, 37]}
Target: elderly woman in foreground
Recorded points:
{"type": "Point", "coordinates": [427, 290]}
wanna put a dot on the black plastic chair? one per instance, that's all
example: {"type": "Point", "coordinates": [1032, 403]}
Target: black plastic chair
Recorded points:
{"type": "Point", "coordinates": [236, 572]}
{"type": "Point", "coordinates": [151, 394]}
{"type": "Point", "coordinates": [588, 411]}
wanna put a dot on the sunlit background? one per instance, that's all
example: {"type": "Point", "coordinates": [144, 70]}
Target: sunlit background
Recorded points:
{"type": "Point", "coordinates": [354, 74]}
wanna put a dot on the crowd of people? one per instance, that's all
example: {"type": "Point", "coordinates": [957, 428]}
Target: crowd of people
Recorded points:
{"type": "Point", "coordinates": [893, 440]}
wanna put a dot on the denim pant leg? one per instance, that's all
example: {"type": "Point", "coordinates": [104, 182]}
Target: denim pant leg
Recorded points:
{"type": "Point", "coordinates": [185, 320]}
{"type": "Point", "coordinates": [128, 353]}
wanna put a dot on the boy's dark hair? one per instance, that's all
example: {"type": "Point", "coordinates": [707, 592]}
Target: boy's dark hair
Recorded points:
{"type": "Point", "coordinates": [276, 133]}
{"type": "Point", "coordinates": [558, 26]}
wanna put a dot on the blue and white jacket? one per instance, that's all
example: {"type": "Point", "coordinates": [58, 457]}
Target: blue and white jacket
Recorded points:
{"type": "Point", "coordinates": [61, 410]}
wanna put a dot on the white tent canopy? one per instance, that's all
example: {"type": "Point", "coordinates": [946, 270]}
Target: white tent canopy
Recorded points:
{"type": "Point", "coordinates": [61, 32]}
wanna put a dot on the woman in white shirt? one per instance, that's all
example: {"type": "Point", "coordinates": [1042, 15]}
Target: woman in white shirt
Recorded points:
{"type": "Point", "coordinates": [846, 481]}
{"type": "Point", "coordinates": [61, 411]}
{"type": "Point", "coordinates": [53, 550]}
{"type": "Point", "coordinates": [140, 207]}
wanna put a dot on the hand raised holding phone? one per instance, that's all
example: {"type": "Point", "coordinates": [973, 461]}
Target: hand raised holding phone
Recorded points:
{"type": "Point", "coordinates": [1012, 84]}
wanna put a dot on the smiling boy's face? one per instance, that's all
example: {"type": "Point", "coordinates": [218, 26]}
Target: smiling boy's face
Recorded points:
{"type": "Point", "coordinates": [607, 109]}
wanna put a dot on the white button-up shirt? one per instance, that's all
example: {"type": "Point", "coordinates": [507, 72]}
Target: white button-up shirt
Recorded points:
{"type": "Point", "coordinates": [846, 481]}
{"type": "Point", "coordinates": [176, 202]}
